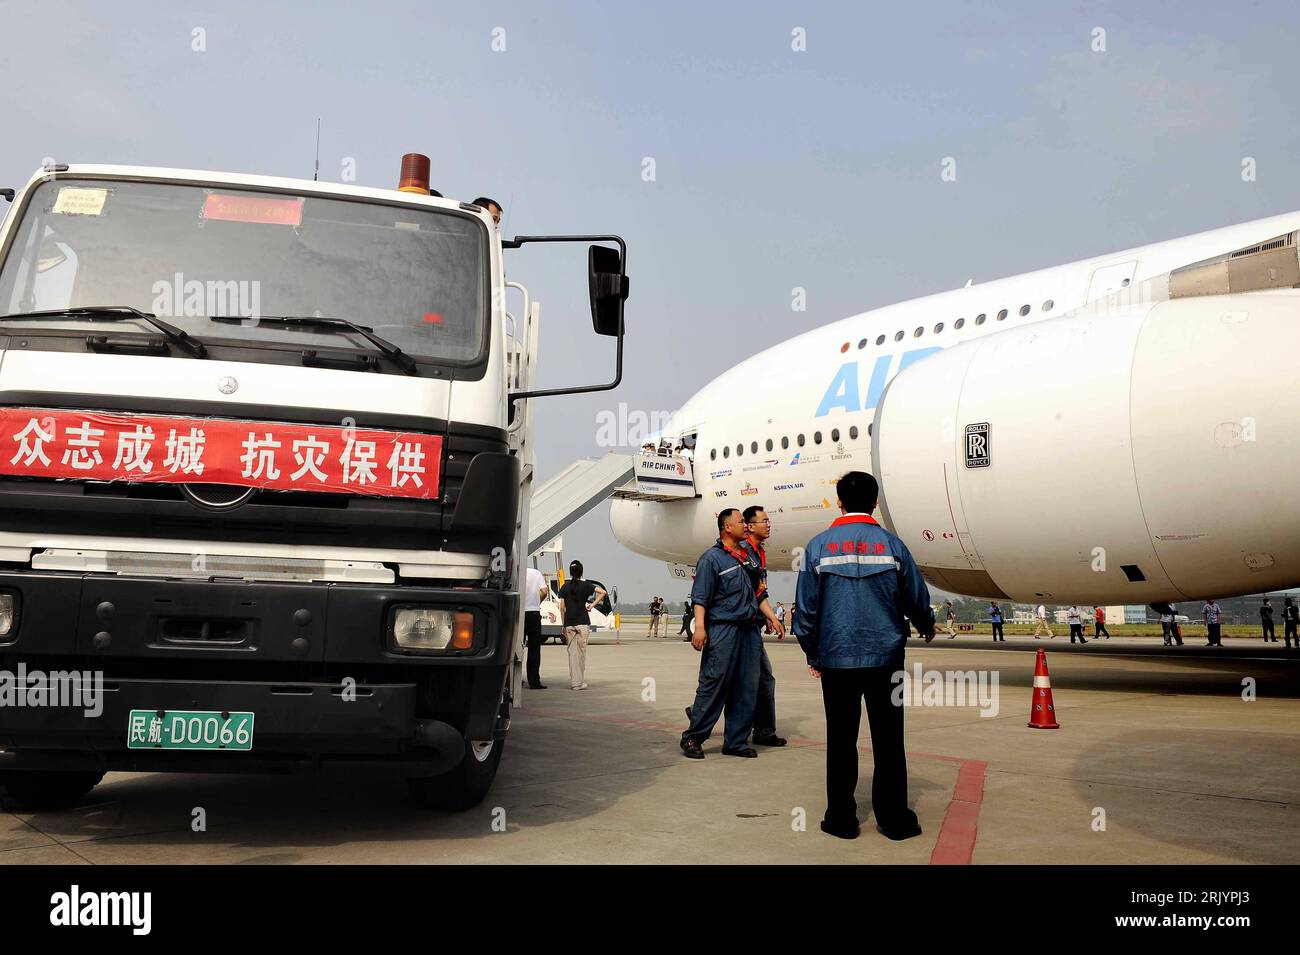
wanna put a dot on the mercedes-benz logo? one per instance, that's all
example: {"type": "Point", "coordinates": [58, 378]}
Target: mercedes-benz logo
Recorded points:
{"type": "Point", "coordinates": [228, 385]}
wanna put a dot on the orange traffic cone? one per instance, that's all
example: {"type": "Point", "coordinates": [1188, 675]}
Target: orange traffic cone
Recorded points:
{"type": "Point", "coordinates": [1042, 715]}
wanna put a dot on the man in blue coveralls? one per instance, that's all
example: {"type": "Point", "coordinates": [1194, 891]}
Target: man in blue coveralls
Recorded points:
{"type": "Point", "coordinates": [758, 527]}
{"type": "Point", "coordinates": [724, 603]}
{"type": "Point", "coordinates": [857, 589]}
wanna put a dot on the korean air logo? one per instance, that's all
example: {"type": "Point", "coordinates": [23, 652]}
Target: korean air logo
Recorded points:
{"type": "Point", "coordinates": [795, 460]}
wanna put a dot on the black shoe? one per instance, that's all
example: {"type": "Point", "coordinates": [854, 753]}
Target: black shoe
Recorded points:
{"type": "Point", "coordinates": [898, 835]}
{"type": "Point", "coordinates": [770, 740]}
{"type": "Point", "coordinates": [536, 686]}
{"type": "Point", "coordinates": [692, 749]}
{"type": "Point", "coordinates": [841, 832]}
{"type": "Point", "coordinates": [746, 752]}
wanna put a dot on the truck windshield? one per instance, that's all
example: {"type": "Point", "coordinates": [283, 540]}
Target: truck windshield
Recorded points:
{"type": "Point", "coordinates": [191, 254]}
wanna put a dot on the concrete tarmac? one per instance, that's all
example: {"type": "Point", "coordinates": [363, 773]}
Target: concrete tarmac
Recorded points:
{"type": "Point", "coordinates": [1158, 760]}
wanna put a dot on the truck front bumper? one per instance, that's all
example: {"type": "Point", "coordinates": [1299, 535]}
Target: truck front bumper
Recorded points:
{"type": "Point", "coordinates": [316, 664]}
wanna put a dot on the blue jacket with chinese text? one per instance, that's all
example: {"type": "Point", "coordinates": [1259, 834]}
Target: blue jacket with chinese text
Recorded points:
{"type": "Point", "coordinates": [857, 590]}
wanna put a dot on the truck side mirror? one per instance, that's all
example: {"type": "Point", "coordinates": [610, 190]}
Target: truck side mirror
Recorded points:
{"type": "Point", "coordinates": [608, 286]}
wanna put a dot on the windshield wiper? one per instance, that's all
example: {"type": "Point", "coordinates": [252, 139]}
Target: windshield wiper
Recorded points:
{"type": "Point", "coordinates": [115, 313]}
{"type": "Point", "coordinates": [390, 351]}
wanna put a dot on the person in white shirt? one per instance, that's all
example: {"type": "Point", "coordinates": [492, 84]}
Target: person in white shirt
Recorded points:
{"type": "Point", "coordinates": [950, 622]}
{"type": "Point", "coordinates": [534, 590]}
{"type": "Point", "coordinates": [1075, 619]}
{"type": "Point", "coordinates": [1042, 623]}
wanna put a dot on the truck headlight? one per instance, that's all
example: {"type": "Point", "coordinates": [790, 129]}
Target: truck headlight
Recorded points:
{"type": "Point", "coordinates": [8, 610]}
{"type": "Point", "coordinates": [426, 628]}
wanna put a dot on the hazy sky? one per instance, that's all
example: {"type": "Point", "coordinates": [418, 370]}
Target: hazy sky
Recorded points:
{"type": "Point", "coordinates": [774, 168]}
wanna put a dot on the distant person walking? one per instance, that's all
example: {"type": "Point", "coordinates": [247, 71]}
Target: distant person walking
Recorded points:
{"type": "Point", "coordinates": [780, 613]}
{"type": "Point", "coordinates": [1166, 628]}
{"type": "Point", "coordinates": [1266, 621]}
{"type": "Point", "coordinates": [535, 589]}
{"type": "Point", "coordinates": [995, 616]}
{"type": "Point", "coordinates": [1290, 620]}
{"type": "Point", "coordinates": [950, 620]}
{"type": "Point", "coordinates": [1075, 619]}
{"type": "Point", "coordinates": [1210, 614]}
{"type": "Point", "coordinates": [1175, 628]}
{"type": "Point", "coordinates": [1099, 623]}
{"type": "Point", "coordinates": [656, 612]}
{"type": "Point", "coordinates": [686, 622]}
{"type": "Point", "coordinates": [1042, 623]}
{"type": "Point", "coordinates": [577, 597]}
{"type": "Point", "coordinates": [858, 589]}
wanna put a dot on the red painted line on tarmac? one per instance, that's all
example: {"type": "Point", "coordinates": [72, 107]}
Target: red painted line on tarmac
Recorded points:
{"type": "Point", "coordinates": [960, 828]}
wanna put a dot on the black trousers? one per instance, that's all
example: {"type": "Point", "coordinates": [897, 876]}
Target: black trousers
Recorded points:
{"type": "Point", "coordinates": [1289, 631]}
{"type": "Point", "coordinates": [843, 691]}
{"type": "Point", "coordinates": [1099, 629]}
{"type": "Point", "coordinates": [997, 632]}
{"type": "Point", "coordinates": [1076, 630]}
{"type": "Point", "coordinates": [1215, 638]}
{"type": "Point", "coordinates": [533, 636]}
{"type": "Point", "coordinates": [1269, 633]}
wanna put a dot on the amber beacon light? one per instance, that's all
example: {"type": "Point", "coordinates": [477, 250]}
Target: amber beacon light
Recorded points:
{"type": "Point", "coordinates": [415, 174]}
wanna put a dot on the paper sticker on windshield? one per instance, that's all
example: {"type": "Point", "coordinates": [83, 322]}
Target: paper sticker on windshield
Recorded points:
{"type": "Point", "coordinates": [80, 201]}
{"type": "Point", "coordinates": [257, 209]}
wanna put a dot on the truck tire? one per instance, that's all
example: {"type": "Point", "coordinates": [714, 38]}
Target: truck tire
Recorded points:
{"type": "Point", "coordinates": [49, 788]}
{"type": "Point", "coordinates": [463, 787]}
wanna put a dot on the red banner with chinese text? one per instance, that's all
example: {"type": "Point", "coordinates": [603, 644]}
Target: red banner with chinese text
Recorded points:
{"type": "Point", "coordinates": [94, 446]}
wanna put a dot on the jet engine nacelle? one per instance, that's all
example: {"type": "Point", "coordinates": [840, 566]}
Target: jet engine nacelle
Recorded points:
{"type": "Point", "coordinates": [1118, 457]}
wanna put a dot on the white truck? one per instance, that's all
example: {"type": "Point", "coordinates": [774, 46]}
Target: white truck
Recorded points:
{"type": "Point", "coordinates": [265, 465]}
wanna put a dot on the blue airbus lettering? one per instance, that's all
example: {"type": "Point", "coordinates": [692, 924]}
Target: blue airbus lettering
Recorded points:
{"type": "Point", "coordinates": [843, 391]}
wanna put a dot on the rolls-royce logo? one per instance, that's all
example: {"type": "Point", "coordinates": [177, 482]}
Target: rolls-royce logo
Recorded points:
{"type": "Point", "coordinates": [227, 385]}
{"type": "Point", "coordinates": [977, 445]}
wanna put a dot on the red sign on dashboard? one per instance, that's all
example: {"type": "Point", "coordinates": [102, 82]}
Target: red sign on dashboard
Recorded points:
{"type": "Point", "coordinates": [274, 211]}
{"type": "Point", "coordinates": [93, 446]}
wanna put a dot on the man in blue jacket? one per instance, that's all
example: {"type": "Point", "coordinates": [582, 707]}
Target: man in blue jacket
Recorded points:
{"type": "Point", "coordinates": [857, 589]}
{"type": "Point", "coordinates": [725, 606]}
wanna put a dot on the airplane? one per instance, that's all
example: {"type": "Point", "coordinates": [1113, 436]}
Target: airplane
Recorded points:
{"type": "Point", "coordinates": [1121, 429]}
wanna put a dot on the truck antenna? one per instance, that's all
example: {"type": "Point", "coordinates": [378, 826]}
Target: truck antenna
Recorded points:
{"type": "Point", "coordinates": [316, 175]}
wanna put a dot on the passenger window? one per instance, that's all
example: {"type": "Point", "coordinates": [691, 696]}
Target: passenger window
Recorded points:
{"type": "Point", "coordinates": [862, 344]}
{"type": "Point", "coordinates": [713, 454]}
{"type": "Point", "coordinates": [899, 336]}
{"type": "Point", "coordinates": [817, 437]}
{"type": "Point", "coordinates": [1002, 315]}
{"type": "Point", "coordinates": [835, 434]}
{"type": "Point", "coordinates": [769, 444]}
{"type": "Point", "coordinates": [726, 452]}
{"type": "Point", "coordinates": [800, 440]}
{"type": "Point", "coordinates": [753, 447]}
{"type": "Point", "coordinates": [959, 323]}
{"type": "Point", "coordinates": [938, 328]}
{"type": "Point", "coordinates": [853, 433]}
{"type": "Point", "coordinates": [979, 319]}
{"type": "Point", "coordinates": [880, 339]}
{"type": "Point", "coordinates": [869, 427]}
{"type": "Point", "coordinates": [785, 442]}
{"type": "Point", "coordinates": [740, 450]}
{"type": "Point", "coordinates": [1047, 306]}
{"type": "Point", "coordinates": [1024, 310]}
{"type": "Point", "coordinates": [920, 330]}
